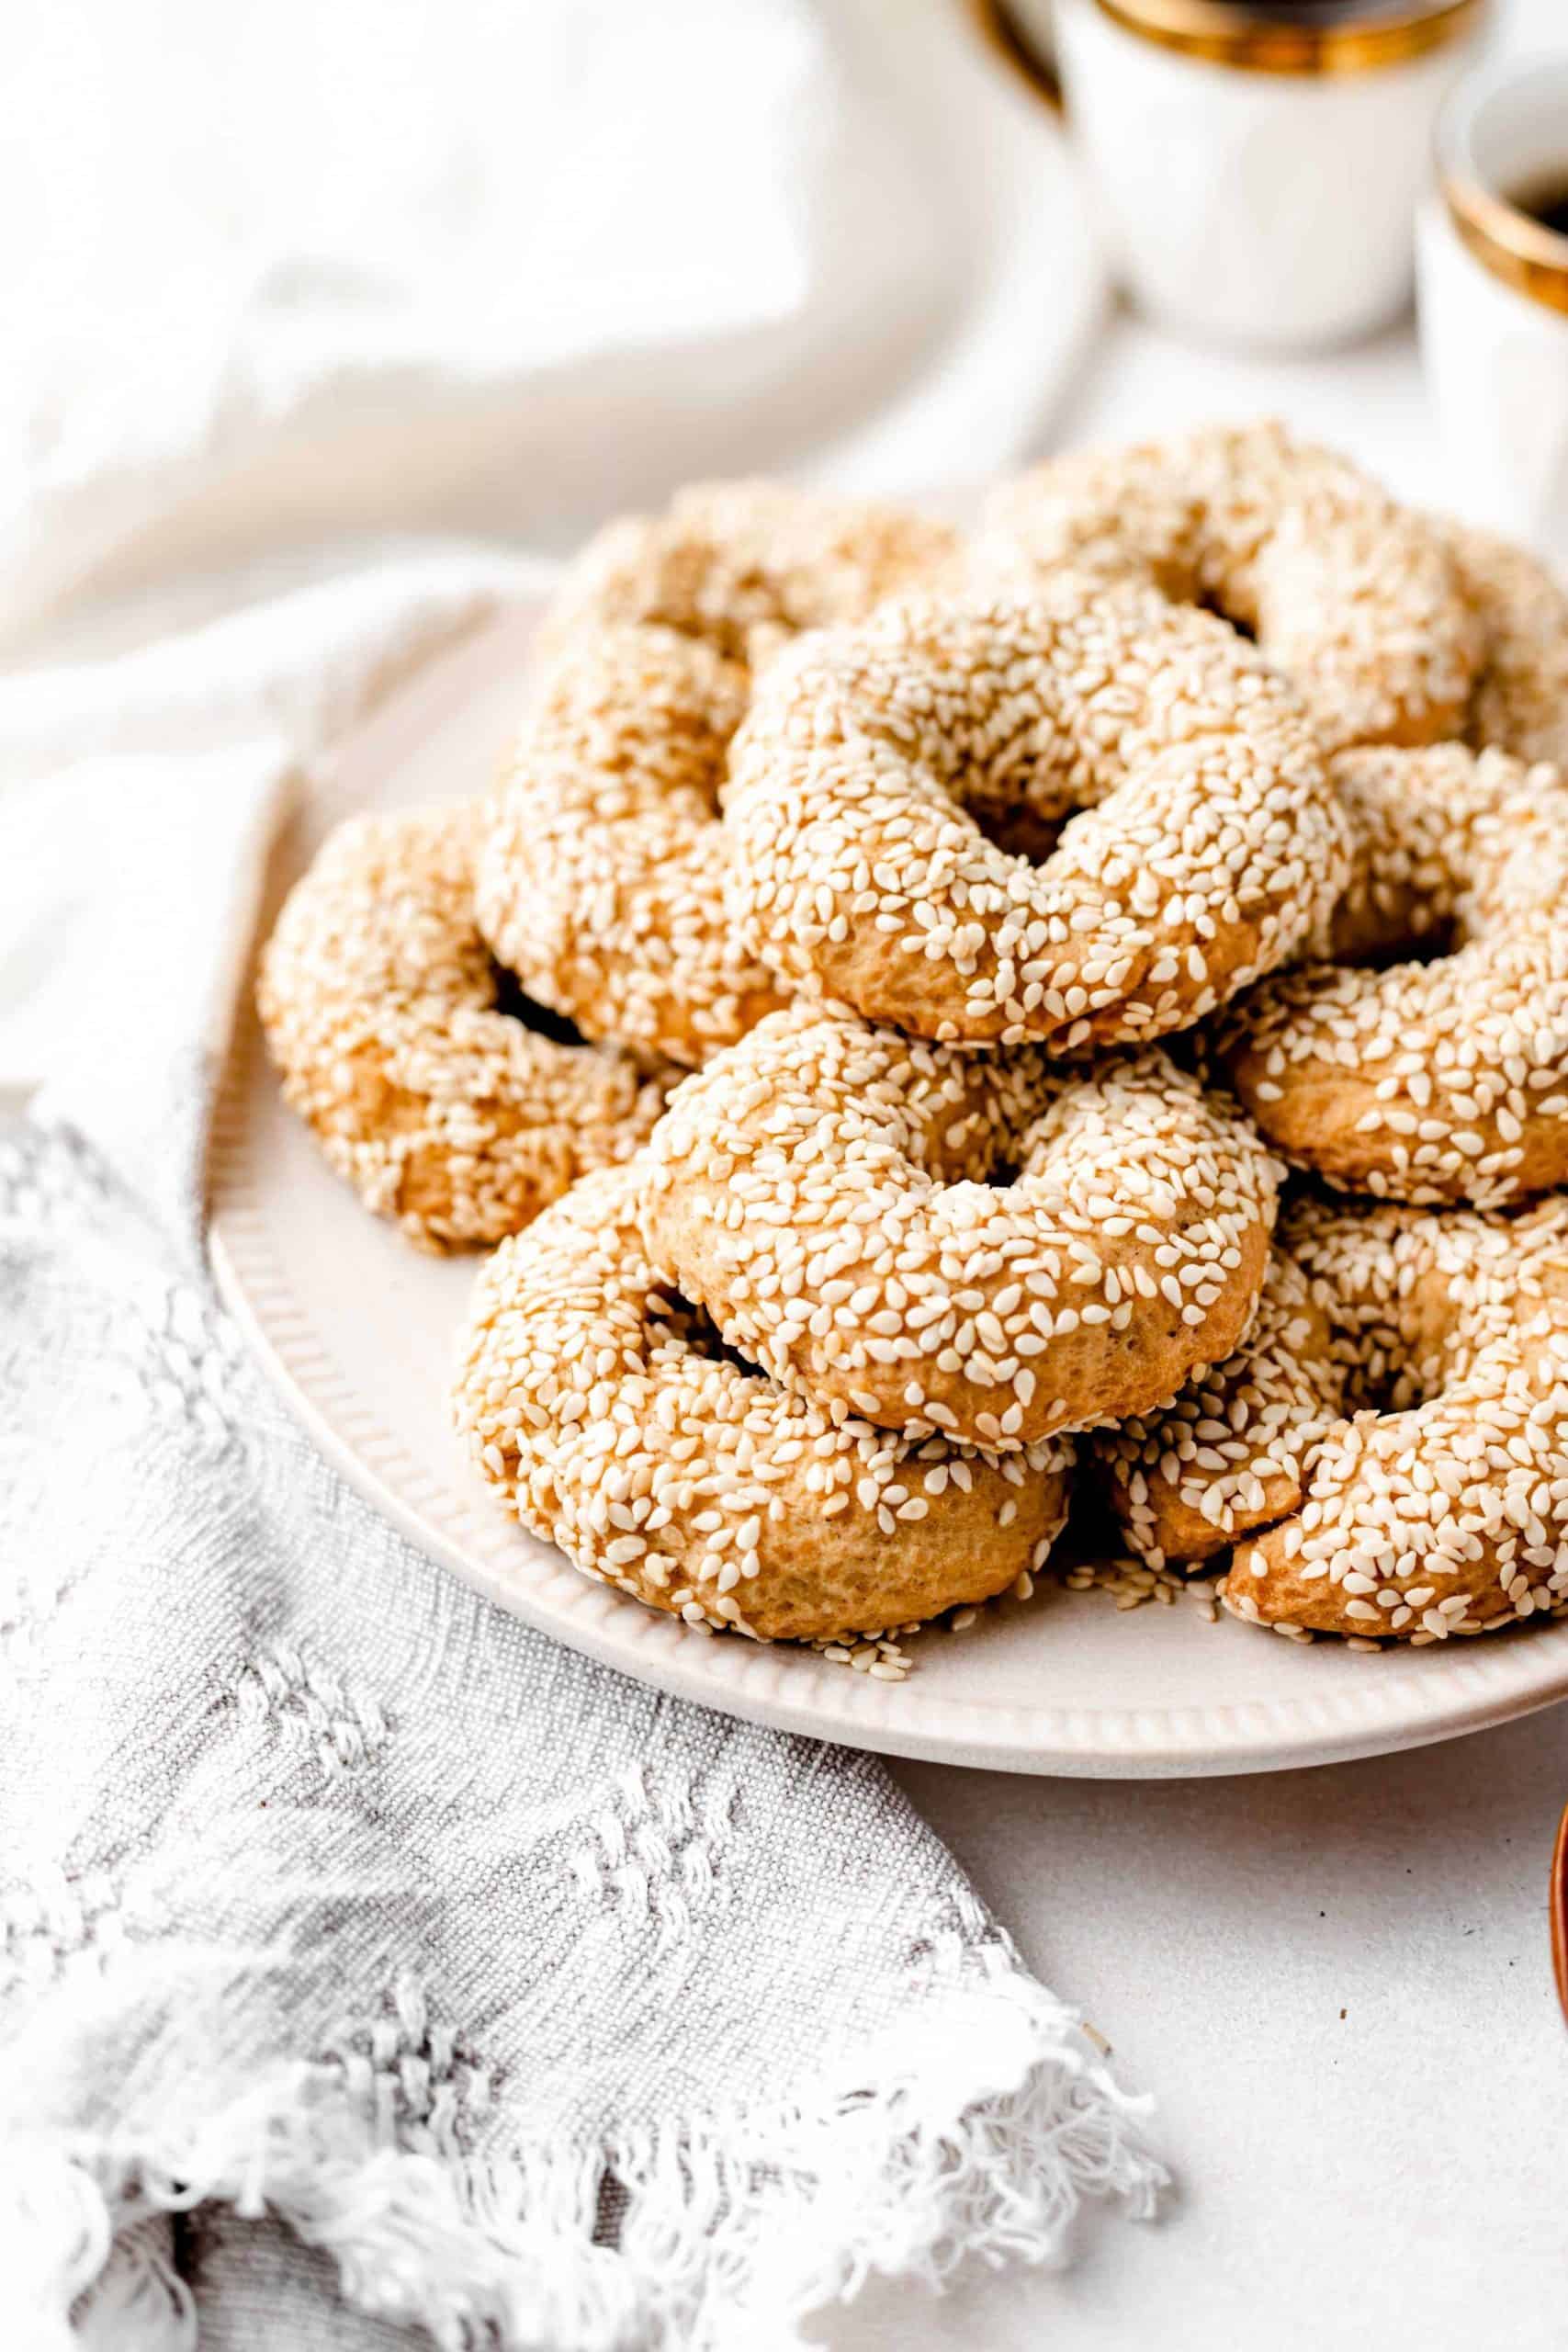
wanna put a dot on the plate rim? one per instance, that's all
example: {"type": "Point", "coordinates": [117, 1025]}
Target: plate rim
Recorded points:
{"type": "Point", "coordinates": [1485, 1684]}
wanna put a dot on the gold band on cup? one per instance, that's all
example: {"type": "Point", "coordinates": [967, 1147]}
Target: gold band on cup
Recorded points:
{"type": "Point", "coordinates": [1222, 34]}
{"type": "Point", "coordinates": [1508, 243]}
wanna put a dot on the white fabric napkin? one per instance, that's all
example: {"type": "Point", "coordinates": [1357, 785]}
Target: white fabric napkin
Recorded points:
{"type": "Point", "coordinates": [290, 288]}
{"type": "Point", "coordinates": [325, 1893]}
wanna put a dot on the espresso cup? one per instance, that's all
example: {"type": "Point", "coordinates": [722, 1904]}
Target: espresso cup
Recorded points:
{"type": "Point", "coordinates": [1493, 300]}
{"type": "Point", "coordinates": [1258, 163]}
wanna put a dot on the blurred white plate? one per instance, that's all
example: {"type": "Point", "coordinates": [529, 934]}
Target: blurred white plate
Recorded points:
{"type": "Point", "coordinates": [359, 1331]}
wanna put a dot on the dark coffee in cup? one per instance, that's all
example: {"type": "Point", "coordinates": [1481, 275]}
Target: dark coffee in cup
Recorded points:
{"type": "Point", "coordinates": [1545, 199]}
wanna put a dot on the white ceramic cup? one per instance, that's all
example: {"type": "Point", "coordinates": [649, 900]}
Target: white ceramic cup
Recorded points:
{"type": "Point", "coordinates": [1493, 303]}
{"type": "Point", "coordinates": [1258, 168]}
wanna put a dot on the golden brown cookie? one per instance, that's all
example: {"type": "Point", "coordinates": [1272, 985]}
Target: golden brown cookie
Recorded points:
{"type": "Point", "coordinates": [601, 875]}
{"type": "Point", "coordinates": [1355, 598]}
{"type": "Point", "coordinates": [744, 565]}
{"type": "Point", "coordinates": [1228, 1453]}
{"type": "Point", "coordinates": [1433, 1079]}
{"type": "Point", "coordinates": [381, 1006]}
{"type": "Point", "coordinates": [902, 801]}
{"type": "Point", "coordinates": [616, 1424]}
{"type": "Point", "coordinates": [1519, 702]}
{"type": "Point", "coordinates": [600, 881]}
{"type": "Point", "coordinates": [1442, 1507]}
{"type": "Point", "coordinates": [990, 1245]}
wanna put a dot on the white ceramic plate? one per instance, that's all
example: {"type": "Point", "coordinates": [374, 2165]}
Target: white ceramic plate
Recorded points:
{"type": "Point", "coordinates": [360, 1332]}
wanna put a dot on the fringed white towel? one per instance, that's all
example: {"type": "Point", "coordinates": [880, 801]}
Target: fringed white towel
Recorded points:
{"type": "Point", "coordinates": [532, 2000]}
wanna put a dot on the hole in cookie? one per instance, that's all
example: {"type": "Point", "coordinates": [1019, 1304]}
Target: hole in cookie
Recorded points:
{"type": "Point", "coordinates": [1019, 830]}
{"type": "Point", "coordinates": [1380, 1378]}
{"type": "Point", "coordinates": [1091, 1532]}
{"type": "Point", "coordinates": [1428, 947]}
{"type": "Point", "coordinates": [1210, 602]}
{"type": "Point", "coordinates": [1092, 1538]}
{"type": "Point", "coordinates": [513, 1000]}
{"type": "Point", "coordinates": [691, 1328]}
{"type": "Point", "coordinates": [1185, 1048]}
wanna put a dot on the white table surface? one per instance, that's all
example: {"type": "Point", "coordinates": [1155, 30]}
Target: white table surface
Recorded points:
{"type": "Point", "coordinates": [1336, 1983]}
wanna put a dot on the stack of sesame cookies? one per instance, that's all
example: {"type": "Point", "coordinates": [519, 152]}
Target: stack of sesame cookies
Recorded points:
{"type": "Point", "coordinates": [923, 1016]}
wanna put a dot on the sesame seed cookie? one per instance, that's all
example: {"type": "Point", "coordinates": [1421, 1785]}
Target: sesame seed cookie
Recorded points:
{"type": "Point", "coordinates": [1442, 1507]}
{"type": "Point", "coordinates": [744, 565]}
{"type": "Point", "coordinates": [1347, 592]}
{"type": "Point", "coordinates": [601, 875]}
{"type": "Point", "coordinates": [381, 1009]}
{"type": "Point", "coordinates": [1520, 699]}
{"type": "Point", "coordinates": [836, 1197]}
{"type": "Point", "coordinates": [614, 1424]}
{"type": "Point", "coordinates": [1434, 1080]}
{"type": "Point", "coordinates": [1228, 1453]}
{"type": "Point", "coordinates": [601, 879]}
{"type": "Point", "coordinates": [895, 782]}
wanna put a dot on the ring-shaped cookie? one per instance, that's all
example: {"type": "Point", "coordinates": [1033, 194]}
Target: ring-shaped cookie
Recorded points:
{"type": "Point", "coordinates": [1436, 1081]}
{"type": "Point", "coordinates": [1441, 1508]}
{"type": "Point", "coordinates": [1228, 1453]}
{"type": "Point", "coordinates": [838, 1199]}
{"type": "Point", "coordinates": [1207, 845]}
{"type": "Point", "coordinates": [743, 566]}
{"type": "Point", "coordinates": [1519, 702]}
{"type": "Point", "coordinates": [600, 881]}
{"type": "Point", "coordinates": [601, 875]}
{"type": "Point", "coordinates": [385, 1014]}
{"type": "Point", "coordinates": [615, 1425]}
{"type": "Point", "coordinates": [1354, 597]}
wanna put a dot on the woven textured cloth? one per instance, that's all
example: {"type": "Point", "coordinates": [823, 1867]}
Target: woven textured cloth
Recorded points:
{"type": "Point", "coordinates": [536, 2001]}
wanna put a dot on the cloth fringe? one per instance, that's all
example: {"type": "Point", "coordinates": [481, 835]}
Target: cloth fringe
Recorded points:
{"type": "Point", "coordinates": [688, 2239]}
